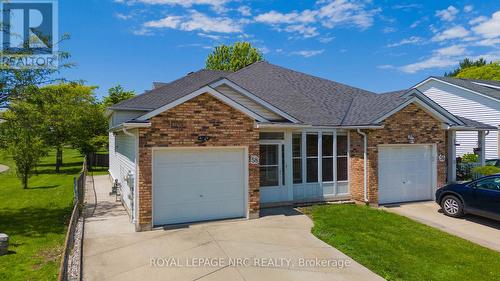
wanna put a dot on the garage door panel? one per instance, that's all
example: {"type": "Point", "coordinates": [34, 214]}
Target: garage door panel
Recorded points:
{"type": "Point", "coordinates": [405, 173]}
{"type": "Point", "coordinates": [198, 184]}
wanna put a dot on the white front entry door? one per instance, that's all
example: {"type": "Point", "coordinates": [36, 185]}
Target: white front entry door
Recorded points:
{"type": "Point", "coordinates": [404, 173]}
{"type": "Point", "coordinates": [272, 175]}
{"type": "Point", "coordinates": [198, 184]}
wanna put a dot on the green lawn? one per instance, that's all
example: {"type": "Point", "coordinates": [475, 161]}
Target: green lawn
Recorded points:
{"type": "Point", "coordinates": [398, 248]}
{"type": "Point", "coordinates": [36, 218]}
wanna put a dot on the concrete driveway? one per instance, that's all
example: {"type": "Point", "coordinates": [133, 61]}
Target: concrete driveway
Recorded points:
{"type": "Point", "coordinates": [274, 247]}
{"type": "Point", "coordinates": [479, 230]}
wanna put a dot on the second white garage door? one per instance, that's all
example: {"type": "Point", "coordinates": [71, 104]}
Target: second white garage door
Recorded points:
{"type": "Point", "coordinates": [198, 184]}
{"type": "Point", "coordinates": [405, 173]}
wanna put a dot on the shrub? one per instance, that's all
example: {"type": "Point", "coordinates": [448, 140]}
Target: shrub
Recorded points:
{"type": "Point", "coordinates": [486, 170]}
{"type": "Point", "coordinates": [470, 158]}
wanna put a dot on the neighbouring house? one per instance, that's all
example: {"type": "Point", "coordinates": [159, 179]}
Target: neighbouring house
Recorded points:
{"type": "Point", "coordinates": [477, 100]}
{"type": "Point", "coordinates": [215, 145]}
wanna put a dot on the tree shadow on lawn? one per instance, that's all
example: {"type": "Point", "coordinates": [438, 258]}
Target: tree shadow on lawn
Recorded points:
{"type": "Point", "coordinates": [43, 187]}
{"type": "Point", "coordinates": [65, 164]}
{"type": "Point", "coordinates": [34, 222]}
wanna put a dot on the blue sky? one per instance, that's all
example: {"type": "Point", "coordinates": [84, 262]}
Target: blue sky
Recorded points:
{"type": "Point", "coordinates": [375, 45]}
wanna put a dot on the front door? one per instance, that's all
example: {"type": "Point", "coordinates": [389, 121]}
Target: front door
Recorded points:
{"type": "Point", "coordinates": [272, 177]}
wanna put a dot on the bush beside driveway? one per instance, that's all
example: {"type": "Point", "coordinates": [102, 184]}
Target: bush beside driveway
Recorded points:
{"type": "Point", "coordinates": [398, 248]}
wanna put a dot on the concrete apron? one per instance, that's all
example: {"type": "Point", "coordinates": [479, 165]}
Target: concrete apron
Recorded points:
{"type": "Point", "coordinates": [274, 247]}
{"type": "Point", "coordinates": [482, 231]}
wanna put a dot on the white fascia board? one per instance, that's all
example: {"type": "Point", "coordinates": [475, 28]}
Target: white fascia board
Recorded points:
{"type": "Point", "coordinates": [422, 104]}
{"type": "Point", "coordinates": [417, 93]}
{"type": "Point", "coordinates": [451, 84]}
{"type": "Point", "coordinates": [301, 126]}
{"type": "Point", "coordinates": [127, 126]}
{"type": "Point", "coordinates": [254, 98]}
{"type": "Point", "coordinates": [486, 85]}
{"type": "Point", "coordinates": [196, 93]}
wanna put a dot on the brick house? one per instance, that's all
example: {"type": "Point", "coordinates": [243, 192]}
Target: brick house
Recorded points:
{"type": "Point", "coordinates": [215, 145]}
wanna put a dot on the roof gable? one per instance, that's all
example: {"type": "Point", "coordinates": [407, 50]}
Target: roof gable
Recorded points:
{"type": "Point", "coordinates": [203, 90]}
{"type": "Point", "coordinates": [468, 85]}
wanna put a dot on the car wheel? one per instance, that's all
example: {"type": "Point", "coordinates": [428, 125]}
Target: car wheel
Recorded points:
{"type": "Point", "coordinates": [452, 206]}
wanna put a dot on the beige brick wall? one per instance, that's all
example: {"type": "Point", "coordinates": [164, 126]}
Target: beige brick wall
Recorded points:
{"type": "Point", "coordinates": [412, 119]}
{"type": "Point", "coordinates": [180, 127]}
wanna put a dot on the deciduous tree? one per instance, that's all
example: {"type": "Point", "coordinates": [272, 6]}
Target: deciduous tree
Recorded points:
{"type": "Point", "coordinates": [233, 57]}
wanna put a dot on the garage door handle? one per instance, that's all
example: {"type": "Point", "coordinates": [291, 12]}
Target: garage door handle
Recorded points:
{"type": "Point", "coordinates": [201, 195]}
{"type": "Point", "coordinates": [404, 182]}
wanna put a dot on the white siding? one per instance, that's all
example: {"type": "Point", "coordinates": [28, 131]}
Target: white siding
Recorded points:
{"type": "Point", "coordinates": [469, 105]}
{"type": "Point", "coordinates": [121, 116]}
{"type": "Point", "coordinates": [122, 162]}
{"type": "Point", "coordinates": [248, 103]}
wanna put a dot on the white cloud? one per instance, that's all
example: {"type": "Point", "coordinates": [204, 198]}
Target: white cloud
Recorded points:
{"type": "Point", "coordinates": [325, 40]}
{"type": "Point", "coordinates": [468, 8]}
{"type": "Point", "coordinates": [306, 31]}
{"type": "Point", "coordinates": [451, 33]}
{"type": "Point", "coordinates": [406, 7]}
{"type": "Point", "coordinates": [244, 11]}
{"type": "Point", "coordinates": [274, 17]}
{"type": "Point", "coordinates": [123, 16]}
{"type": "Point", "coordinates": [329, 14]}
{"type": "Point", "coordinates": [415, 24]}
{"type": "Point", "coordinates": [413, 40]}
{"type": "Point", "coordinates": [478, 20]}
{"type": "Point", "coordinates": [346, 12]}
{"type": "Point", "coordinates": [447, 14]}
{"type": "Point", "coordinates": [389, 30]}
{"type": "Point", "coordinates": [212, 36]}
{"type": "Point", "coordinates": [488, 42]}
{"type": "Point", "coordinates": [308, 53]}
{"type": "Point", "coordinates": [166, 22]}
{"type": "Point", "coordinates": [264, 50]}
{"type": "Point", "coordinates": [432, 62]}
{"type": "Point", "coordinates": [440, 58]}
{"type": "Point", "coordinates": [489, 28]}
{"type": "Point", "coordinates": [183, 3]}
{"type": "Point", "coordinates": [197, 21]}
{"type": "Point", "coordinates": [454, 50]}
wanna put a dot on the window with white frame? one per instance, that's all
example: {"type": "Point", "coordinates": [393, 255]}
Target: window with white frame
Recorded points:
{"type": "Point", "coordinates": [297, 157]}
{"type": "Point", "coordinates": [327, 157]}
{"type": "Point", "coordinates": [342, 155]}
{"type": "Point", "coordinates": [312, 157]}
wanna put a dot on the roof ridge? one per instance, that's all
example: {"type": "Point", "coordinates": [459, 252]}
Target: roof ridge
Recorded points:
{"type": "Point", "coordinates": [321, 78]}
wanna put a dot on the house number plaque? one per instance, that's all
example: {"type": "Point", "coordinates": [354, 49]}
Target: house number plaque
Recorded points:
{"type": "Point", "coordinates": [254, 159]}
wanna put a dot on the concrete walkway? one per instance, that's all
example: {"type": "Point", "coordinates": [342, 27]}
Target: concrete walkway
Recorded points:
{"type": "Point", "coordinates": [274, 247]}
{"type": "Point", "coordinates": [3, 168]}
{"type": "Point", "coordinates": [479, 230]}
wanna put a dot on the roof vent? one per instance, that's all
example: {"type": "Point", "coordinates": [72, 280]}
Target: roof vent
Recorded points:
{"type": "Point", "coordinates": [190, 73]}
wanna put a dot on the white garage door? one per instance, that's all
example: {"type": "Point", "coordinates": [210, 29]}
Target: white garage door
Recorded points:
{"type": "Point", "coordinates": [405, 173]}
{"type": "Point", "coordinates": [198, 184]}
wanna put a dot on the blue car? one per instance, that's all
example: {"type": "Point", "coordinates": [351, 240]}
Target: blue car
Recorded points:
{"type": "Point", "coordinates": [479, 197]}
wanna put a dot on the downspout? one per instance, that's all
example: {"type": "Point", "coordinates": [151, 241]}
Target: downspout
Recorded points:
{"type": "Point", "coordinates": [365, 172]}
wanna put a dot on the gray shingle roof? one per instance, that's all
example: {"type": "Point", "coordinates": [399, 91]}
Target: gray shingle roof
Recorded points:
{"type": "Point", "coordinates": [465, 83]}
{"type": "Point", "coordinates": [475, 124]}
{"type": "Point", "coordinates": [169, 92]}
{"type": "Point", "coordinates": [309, 99]}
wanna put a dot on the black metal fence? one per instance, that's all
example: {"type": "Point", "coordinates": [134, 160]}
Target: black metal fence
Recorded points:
{"type": "Point", "coordinates": [79, 195]}
{"type": "Point", "coordinates": [97, 160]}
